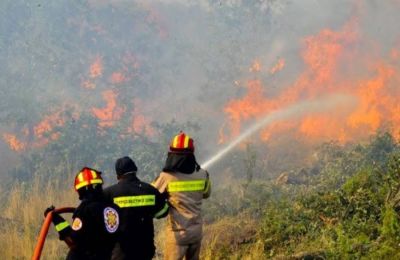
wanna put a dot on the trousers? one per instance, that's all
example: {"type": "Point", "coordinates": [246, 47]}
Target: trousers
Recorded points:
{"type": "Point", "coordinates": [174, 251]}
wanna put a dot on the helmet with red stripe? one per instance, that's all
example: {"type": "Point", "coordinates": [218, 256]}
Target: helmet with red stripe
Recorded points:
{"type": "Point", "coordinates": [181, 143]}
{"type": "Point", "coordinates": [86, 177]}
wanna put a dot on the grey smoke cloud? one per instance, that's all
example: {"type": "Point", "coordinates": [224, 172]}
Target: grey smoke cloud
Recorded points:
{"type": "Point", "coordinates": [190, 52]}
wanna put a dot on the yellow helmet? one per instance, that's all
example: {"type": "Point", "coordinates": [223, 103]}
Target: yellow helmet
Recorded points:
{"type": "Point", "coordinates": [181, 143]}
{"type": "Point", "coordinates": [86, 177]}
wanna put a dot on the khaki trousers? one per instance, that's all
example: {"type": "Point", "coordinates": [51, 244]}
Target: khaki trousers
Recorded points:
{"type": "Point", "coordinates": [173, 251]}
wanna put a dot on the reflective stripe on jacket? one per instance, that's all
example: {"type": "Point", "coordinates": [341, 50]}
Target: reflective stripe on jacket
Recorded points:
{"type": "Point", "coordinates": [185, 192]}
{"type": "Point", "coordinates": [139, 203]}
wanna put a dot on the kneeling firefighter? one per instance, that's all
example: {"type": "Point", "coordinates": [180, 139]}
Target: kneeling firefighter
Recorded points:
{"type": "Point", "coordinates": [95, 222]}
{"type": "Point", "coordinates": [186, 185]}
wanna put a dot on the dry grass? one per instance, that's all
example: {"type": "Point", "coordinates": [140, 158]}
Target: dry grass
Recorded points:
{"type": "Point", "coordinates": [229, 238]}
{"type": "Point", "coordinates": [22, 218]}
{"type": "Point", "coordinates": [232, 238]}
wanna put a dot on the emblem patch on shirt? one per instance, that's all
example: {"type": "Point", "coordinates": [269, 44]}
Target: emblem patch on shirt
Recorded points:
{"type": "Point", "coordinates": [111, 219]}
{"type": "Point", "coordinates": [77, 224]}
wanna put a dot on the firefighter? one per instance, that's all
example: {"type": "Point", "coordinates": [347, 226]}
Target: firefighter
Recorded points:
{"type": "Point", "coordinates": [186, 185]}
{"type": "Point", "coordinates": [139, 203]}
{"type": "Point", "coordinates": [92, 234]}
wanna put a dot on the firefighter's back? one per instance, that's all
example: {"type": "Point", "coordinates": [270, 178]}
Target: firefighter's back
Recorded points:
{"type": "Point", "coordinates": [94, 230]}
{"type": "Point", "coordinates": [138, 202]}
{"type": "Point", "coordinates": [186, 192]}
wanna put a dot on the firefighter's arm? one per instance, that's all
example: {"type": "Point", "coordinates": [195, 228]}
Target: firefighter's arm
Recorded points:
{"type": "Point", "coordinates": [207, 186]}
{"type": "Point", "coordinates": [162, 206]}
{"type": "Point", "coordinates": [62, 227]}
{"type": "Point", "coordinates": [160, 184]}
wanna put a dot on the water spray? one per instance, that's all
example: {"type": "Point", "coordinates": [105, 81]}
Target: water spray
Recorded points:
{"type": "Point", "coordinates": [322, 104]}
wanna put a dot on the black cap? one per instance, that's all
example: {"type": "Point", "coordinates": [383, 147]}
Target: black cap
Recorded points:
{"type": "Point", "coordinates": [125, 165]}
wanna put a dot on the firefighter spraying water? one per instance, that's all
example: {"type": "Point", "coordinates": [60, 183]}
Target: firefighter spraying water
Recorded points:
{"type": "Point", "coordinates": [298, 109]}
{"type": "Point", "coordinates": [184, 181]}
{"type": "Point", "coordinates": [186, 185]}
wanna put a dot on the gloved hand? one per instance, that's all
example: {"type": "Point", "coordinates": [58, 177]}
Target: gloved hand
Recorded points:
{"type": "Point", "coordinates": [49, 209]}
{"type": "Point", "coordinates": [165, 195]}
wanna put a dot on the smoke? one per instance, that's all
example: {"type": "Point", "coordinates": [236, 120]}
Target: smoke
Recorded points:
{"type": "Point", "coordinates": [163, 60]}
{"type": "Point", "coordinates": [296, 110]}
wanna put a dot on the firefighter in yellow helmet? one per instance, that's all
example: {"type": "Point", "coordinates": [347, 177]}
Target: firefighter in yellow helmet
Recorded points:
{"type": "Point", "coordinates": [186, 184]}
{"type": "Point", "coordinates": [94, 222]}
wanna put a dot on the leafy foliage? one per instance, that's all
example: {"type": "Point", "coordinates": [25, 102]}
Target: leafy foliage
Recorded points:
{"type": "Point", "coordinates": [349, 209]}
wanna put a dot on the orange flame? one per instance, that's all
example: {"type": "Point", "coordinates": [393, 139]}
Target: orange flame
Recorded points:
{"type": "Point", "coordinates": [96, 69]}
{"type": "Point", "coordinates": [324, 56]}
{"type": "Point", "coordinates": [13, 142]}
{"type": "Point", "coordinates": [45, 132]}
{"type": "Point", "coordinates": [39, 134]}
{"type": "Point", "coordinates": [140, 123]}
{"type": "Point", "coordinates": [278, 66]}
{"type": "Point", "coordinates": [255, 67]}
{"type": "Point", "coordinates": [117, 78]}
{"type": "Point", "coordinates": [395, 54]}
{"type": "Point", "coordinates": [111, 112]}
{"type": "Point", "coordinates": [47, 124]}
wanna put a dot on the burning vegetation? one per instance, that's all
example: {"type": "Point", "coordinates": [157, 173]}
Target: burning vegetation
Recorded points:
{"type": "Point", "coordinates": [326, 57]}
{"type": "Point", "coordinates": [111, 112]}
{"type": "Point", "coordinates": [342, 60]}
{"type": "Point", "coordinates": [111, 78]}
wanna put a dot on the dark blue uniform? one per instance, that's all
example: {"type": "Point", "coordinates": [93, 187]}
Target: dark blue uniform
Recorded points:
{"type": "Point", "coordinates": [93, 232]}
{"type": "Point", "coordinates": [139, 203]}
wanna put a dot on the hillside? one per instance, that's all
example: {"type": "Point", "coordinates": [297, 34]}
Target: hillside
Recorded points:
{"type": "Point", "coordinates": [300, 99]}
{"type": "Point", "coordinates": [345, 205]}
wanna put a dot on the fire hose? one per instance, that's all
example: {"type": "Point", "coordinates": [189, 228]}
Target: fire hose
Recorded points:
{"type": "Point", "coordinates": [45, 229]}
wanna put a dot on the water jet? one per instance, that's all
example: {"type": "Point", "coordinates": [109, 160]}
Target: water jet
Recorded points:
{"type": "Point", "coordinates": [301, 108]}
